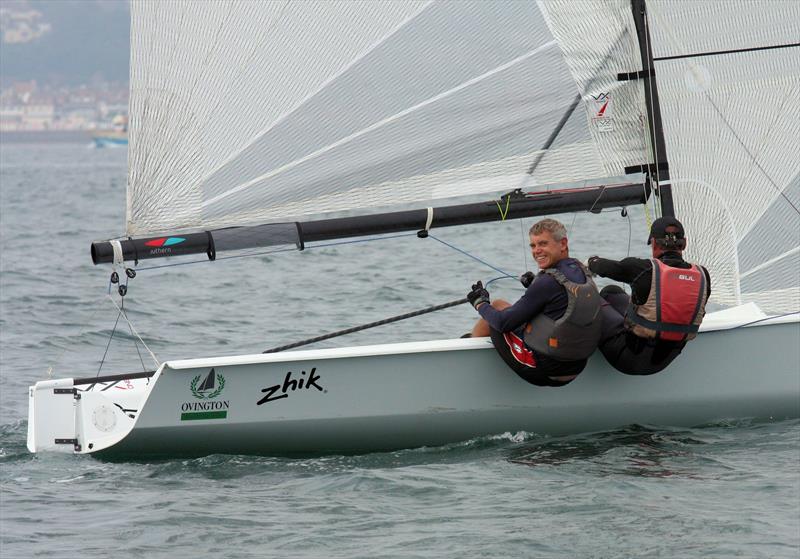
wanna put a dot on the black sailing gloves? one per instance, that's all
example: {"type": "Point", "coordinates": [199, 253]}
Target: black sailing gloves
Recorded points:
{"type": "Point", "coordinates": [526, 279]}
{"type": "Point", "coordinates": [478, 295]}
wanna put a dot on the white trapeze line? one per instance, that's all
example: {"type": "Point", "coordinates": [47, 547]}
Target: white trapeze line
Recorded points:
{"type": "Point", "coordinates": [377, 125]}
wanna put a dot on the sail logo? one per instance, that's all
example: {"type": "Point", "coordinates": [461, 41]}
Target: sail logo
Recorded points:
{"type": "Point", "coordinates": [601, 103]}
{"type": "Point", "coordinates": [602, 112]}
{"type": "Point", "coordinates": [279, 391]}
{"type": "Point", "coordinates": [206, 390]}
{"type": "Point", "coordinates": [164, 242]}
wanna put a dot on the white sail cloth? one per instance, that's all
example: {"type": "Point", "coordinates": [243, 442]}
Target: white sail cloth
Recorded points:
{"type": "Point", "coordinates": [245, 112]}
{"type": "Point", "coordinates": [250, 112]}
{"type": "Point", "coordinates": [731, 124]}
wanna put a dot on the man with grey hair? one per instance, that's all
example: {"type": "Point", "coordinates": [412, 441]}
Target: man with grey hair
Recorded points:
{"type": "Point", "coordinates": [547, 336]}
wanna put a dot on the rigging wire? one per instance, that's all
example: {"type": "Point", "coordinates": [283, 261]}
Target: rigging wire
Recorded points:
{"type": "Point", "coordinates": [752, 157]}
{"type": "Point", "coordinates": [108, 345]}
{"type": "Point", "coordinates": [135, 343]}
{"type": "Point", "coordinates": [134, 335]}
{"type": "Point", "coordinates": [464, 252]}
{"type": "Point", "coordinates": [125, 316]}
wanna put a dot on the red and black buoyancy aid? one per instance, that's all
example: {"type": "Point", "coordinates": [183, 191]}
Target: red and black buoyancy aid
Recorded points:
{"type": "Point", "coordinates": [675, 306]}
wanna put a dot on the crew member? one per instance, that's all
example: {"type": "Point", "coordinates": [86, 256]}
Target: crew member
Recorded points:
{"type": "Point", "coordinates": [644, 332]}
{"type": "Point", "coordinates": [549, 333]}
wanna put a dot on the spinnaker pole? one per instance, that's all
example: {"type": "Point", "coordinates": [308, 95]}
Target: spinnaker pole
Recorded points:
{"type": "Point", "coordinates": [511, 206]}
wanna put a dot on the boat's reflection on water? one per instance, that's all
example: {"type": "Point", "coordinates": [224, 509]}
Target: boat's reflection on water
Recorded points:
{"type": "Point", "coordinates": [634, 450]}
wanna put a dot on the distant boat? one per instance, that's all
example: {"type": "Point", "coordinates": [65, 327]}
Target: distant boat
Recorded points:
{"type": "Point", "coordinates": [118, 136]}
{"type": "Point", "coordinates": [110, 139]}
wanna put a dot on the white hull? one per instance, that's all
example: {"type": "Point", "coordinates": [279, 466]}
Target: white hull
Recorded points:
{"type": "Point", "coordinates": [408, 395]}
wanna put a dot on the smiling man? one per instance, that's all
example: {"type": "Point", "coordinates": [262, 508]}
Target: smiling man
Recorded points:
{"type": "Point", "coordinates": [549, 333]}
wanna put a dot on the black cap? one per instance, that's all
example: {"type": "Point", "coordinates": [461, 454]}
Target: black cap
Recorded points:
{"type": "Point", "coordinates": [659, 228]}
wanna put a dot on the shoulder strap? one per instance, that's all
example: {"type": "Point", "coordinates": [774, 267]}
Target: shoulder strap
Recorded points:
{"type": "Point", "coordinates": [559, 276]}
{"type": "Point", "coordinates": [556, 274]}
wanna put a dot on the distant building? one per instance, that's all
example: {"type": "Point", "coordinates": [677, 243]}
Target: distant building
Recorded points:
{"type": "Point", "coordinates": [11, 118]}
{"type": "Point", "coordinates": [29, 106]}
{"type": "Point", "coordinates": [39, 115]}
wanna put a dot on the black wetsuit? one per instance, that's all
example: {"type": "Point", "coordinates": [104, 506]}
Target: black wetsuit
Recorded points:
{"type": "Point", "coordinates": [547, 296]}
{"type": "Point", "coordinates": [624, 350]}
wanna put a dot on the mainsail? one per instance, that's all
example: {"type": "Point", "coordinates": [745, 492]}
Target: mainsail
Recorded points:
{"type": "Point", "coordinates": [259, 113]}
{"type": "Point", "coordinates": [248, 112]}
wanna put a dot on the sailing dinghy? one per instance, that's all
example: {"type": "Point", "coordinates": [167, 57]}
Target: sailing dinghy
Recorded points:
{"type": "Point", "coordinates": [251, 123]}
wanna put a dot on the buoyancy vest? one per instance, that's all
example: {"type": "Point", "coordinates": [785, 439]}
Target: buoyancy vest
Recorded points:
{"type": "Point", "coordinates": [675, 306]}
{"type": "Point", "coordinates": [576, 334]}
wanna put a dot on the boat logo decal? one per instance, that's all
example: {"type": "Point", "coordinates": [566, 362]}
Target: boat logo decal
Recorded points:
{"type": "Point", "coordinates": [164, 242]}
{"type": "Point", "coordinates": [211, 386]}
{"type": "Point", "coordinates": [278, 391]}
{"type": "Point", "coordinates": [207, 389]}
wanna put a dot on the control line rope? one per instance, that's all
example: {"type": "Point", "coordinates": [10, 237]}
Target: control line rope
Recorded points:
{"type": "Point", "coordinates": [368, 325]}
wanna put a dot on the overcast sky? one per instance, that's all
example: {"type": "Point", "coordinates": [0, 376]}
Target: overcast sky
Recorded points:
{"type": "Point", "coordinates": [64, 41]}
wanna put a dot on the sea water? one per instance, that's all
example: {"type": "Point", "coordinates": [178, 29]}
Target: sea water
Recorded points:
{"type": "Point", "coordinates": [724, 490]}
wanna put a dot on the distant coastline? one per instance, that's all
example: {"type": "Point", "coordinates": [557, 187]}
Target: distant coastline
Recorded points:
{"type": "Point", "coordinates": [46, 136]}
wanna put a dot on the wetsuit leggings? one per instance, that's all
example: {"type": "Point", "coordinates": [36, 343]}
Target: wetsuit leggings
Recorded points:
{"type": "Point", "coordinates": [533, 375]}
{"type": "Point", "coordinates": [625, 351]}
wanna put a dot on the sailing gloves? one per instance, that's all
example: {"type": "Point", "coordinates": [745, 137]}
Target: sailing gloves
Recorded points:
{"type": "Point", "coordinates": [526, 279]}
{"type": "Point", "coordinates": [478, 295]}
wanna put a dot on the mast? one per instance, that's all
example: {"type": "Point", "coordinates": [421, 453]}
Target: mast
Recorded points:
{"type": "Point", "coordinates": [658, 169]}
{"type": "Point", "coordinates": [510, 206]}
